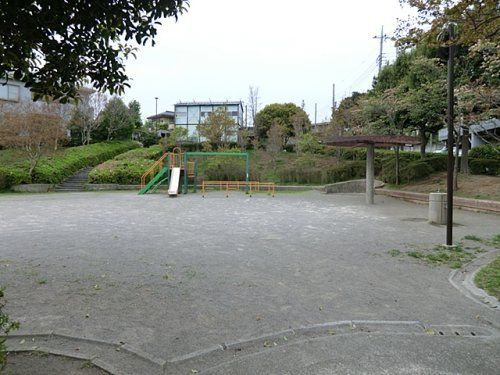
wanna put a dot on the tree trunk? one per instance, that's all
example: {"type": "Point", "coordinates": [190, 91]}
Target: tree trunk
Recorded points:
{"type": "Point", "coordinates": [423, 144]}
{"type": "Point", "coordinates": [464, 163]}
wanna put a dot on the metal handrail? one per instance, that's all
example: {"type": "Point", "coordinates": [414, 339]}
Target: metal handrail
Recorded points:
{"type": "Point", "coordinates": [153, 169]}
{"type": "Point", "coordinates": [237, 185]}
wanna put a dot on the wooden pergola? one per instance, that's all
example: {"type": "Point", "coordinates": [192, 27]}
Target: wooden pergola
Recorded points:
{"type": "Point", "coordinates": [370, 142]}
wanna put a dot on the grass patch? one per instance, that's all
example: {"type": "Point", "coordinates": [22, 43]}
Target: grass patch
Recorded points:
{"type": "Point", "coordinates": [489, 278]}
{"type": "Point", "coordinates": [495, 240]}
{"type": "Point", "coordinates": [453, 257]}
{"type": "Point", "coordinates": [394, 252]}
{"type": "Point", "coordinates": [56, 166]}
{"type": "Point", "coordinates": [472, 237]}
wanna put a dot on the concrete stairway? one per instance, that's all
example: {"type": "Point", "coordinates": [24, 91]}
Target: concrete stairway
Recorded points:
{"type": "Point", "coordinates": [75, 182]}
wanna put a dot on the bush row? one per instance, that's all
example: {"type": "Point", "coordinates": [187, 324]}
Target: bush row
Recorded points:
{"type": "Point", "coordinates": [126, 168]}
{"type": "Point", "coordinates": [412, 169]}
{"type": "Point", "coordinates": [60, 166]}
{"type": "Point", "coordinates": [485, 152]}
{"type": "Point", "coordinates": [485, 166]}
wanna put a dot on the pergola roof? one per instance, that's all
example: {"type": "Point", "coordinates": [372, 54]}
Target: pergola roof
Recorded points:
{"type": "Point", "coordinates": [376, 140]}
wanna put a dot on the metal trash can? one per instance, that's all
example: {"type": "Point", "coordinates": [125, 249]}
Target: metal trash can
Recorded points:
{"type": "Point", "coordinates": [437, 208]}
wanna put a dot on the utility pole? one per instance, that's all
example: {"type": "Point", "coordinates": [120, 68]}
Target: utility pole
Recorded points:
{"type": "Point", "coordinates": [156, 113]}
{"type": "Point", "coordinates": [315, 115]}
{"type": "Point", "coordinates": [449, 179]}
{"type": "Point", "coordinates": [333, 99]}
{"type": "Point", "coordinates": [382, 38]}
{"type": "Point", "coordinates": [246, 116]}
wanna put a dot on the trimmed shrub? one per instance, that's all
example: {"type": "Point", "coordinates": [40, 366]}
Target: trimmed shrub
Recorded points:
{"type": "Point", "coordinates": [126, 168]}
{"type": "Point", "coordinates": [13, 176]}
{"type": "Point", "coordinates": [56, 168]}
{"type": "Point", "coordinates": [438, 162]}
{"type": "Point", "coordinates": [485, 166]}
{"type": "Point", "coordinates": [349, 171]}
{"type": "Point", "coordinates": [485, 152]}
{"type": "Point", "coordinates": [223, 169]}
{"type": "Point", "coordinates": [415, 170]}
{"type": "Point", "coordinates": [412, 170]}
{"type": "Point", "coordinates": [307, 173]}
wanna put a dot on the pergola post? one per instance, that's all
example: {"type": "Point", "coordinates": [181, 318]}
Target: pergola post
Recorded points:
{"type": "Point", "coordinates": [370, 173]}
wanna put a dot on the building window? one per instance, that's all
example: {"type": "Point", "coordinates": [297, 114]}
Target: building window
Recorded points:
{"type": "Point", "coordinates": [194, 115]}
{"type": "Point", "coordinates": [9, 92]}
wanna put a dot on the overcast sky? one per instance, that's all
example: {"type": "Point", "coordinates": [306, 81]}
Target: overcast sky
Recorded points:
{"type": "Point", "coordinates": [292, 50]}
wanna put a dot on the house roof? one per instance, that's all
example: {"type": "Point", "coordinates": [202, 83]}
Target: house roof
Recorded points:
{"type": "Point", "coordinates": [376, 140]}
{"type": "Point", "coordinates": [163, 115]}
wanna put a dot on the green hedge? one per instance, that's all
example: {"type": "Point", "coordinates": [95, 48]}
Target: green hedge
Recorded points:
{"type": "Point", "coordinates": [55, 169]}
{"type": "Point", "coordinates": [412, 169]}
{"type": "Point", "coordinates": [485, 152]}
{"type": "Point", "coordinates": [485, 166]}
{"type": "Point", "coordinates": [126, 168]}
{"type": "Point", "coordinates": [304, 174]}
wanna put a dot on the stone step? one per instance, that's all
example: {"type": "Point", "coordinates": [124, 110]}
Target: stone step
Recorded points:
{"type": "Point", "coordinates": [74, 183]}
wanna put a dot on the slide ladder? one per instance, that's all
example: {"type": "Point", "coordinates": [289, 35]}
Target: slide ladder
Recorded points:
{"type": "Point", "coordinates": [167, 169]}
{"type": "Point", "coordinates": [173, 188]}
{"type": "Point", "coordinates": [161, 177]}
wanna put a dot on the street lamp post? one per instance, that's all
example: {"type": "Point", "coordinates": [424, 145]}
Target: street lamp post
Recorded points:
{"type": "Point", "coordinates": [450, 141]}
{"type": "Point", "coordinates": [156, 114]}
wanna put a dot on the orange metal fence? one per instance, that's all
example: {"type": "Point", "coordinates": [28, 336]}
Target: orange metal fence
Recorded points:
{"type": "Point", "coordinates": [253, 186]}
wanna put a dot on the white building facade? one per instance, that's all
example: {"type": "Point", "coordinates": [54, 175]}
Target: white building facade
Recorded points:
{"type": "Point", "coordinates": [190, 115]}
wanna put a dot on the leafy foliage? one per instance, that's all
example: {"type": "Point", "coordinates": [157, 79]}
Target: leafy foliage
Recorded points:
{"type": "Point", "coordinates": [135, 113]}
{"type": "Point", "coordinates": [57, 167]}
{"type": "Point", "coordinates": [309, 144]}
{"type": "Point", "coordinates": [476, 19]}
{"type": "Point", "coordinates": [55, 58]}
{"type": "Point", "coordinates": [218, 128]}
{"type": "Point", "coordinates": [116, 121]}
{"type": "Point", "coordinates": [32, 130]}
{"type": "Point", "coordinates": [283, 114]}
{"type": "Point", "coordinates": [6, 325]}
{"type": "Point", "coordinates": [486, 152]}
{"type": "Point", "coordinates": [126, 168]}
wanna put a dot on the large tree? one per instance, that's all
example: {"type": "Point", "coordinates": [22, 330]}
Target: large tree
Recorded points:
{"type": "Point", "coordinates": [32, 129]}
{"type": "Point", "coordinates": [135, 112]}
{"type": "Point", "coordinates": [54, 46]}
{"type": "Point", "coordinates": [476, 20]}
{"type": "Point", "coordinates": [115, 121]}
{"type": "Point", "coordinates": [218, 128]}
{"type": "Point", "coordinates": [286, 115]}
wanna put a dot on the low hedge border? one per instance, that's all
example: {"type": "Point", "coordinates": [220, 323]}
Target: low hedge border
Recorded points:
{"type": "Point", "coordinates": [127, 168]}
{"type": "Point", "coordinates": [57, 168]}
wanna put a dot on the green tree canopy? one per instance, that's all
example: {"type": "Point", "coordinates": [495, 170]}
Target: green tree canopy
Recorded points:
{"type": "Point", "coordinates": [54, 46]}
{"type": "Point", "coordinates": [115, 121]}
{"type": "Point", "coordinates": [135, 112]}
{"type": "Point", "coordinates": [476, 20]}
{"type": "Point", "coordinates": [218, 128]}
{"type": "Point", "coordinates": [286, 115]}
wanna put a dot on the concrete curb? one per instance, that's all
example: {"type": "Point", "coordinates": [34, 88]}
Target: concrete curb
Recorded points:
{"type": "Point", "coordinates": [109, 187]}
{"type": "Point", "coordinates": [213, 358]}
{"type": "Point", "coordinates": [458, 202]}
{"type": "Point", "coordinates": [124, 359]}
{"type": "Point", "coordinates": [115, 358]}
{"type": "Point", "coordinates": [352, 186]}
{"type": "Point", "coordinates": [33, 188]}
{"type": "Point", "coordinates": [463, 280]}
